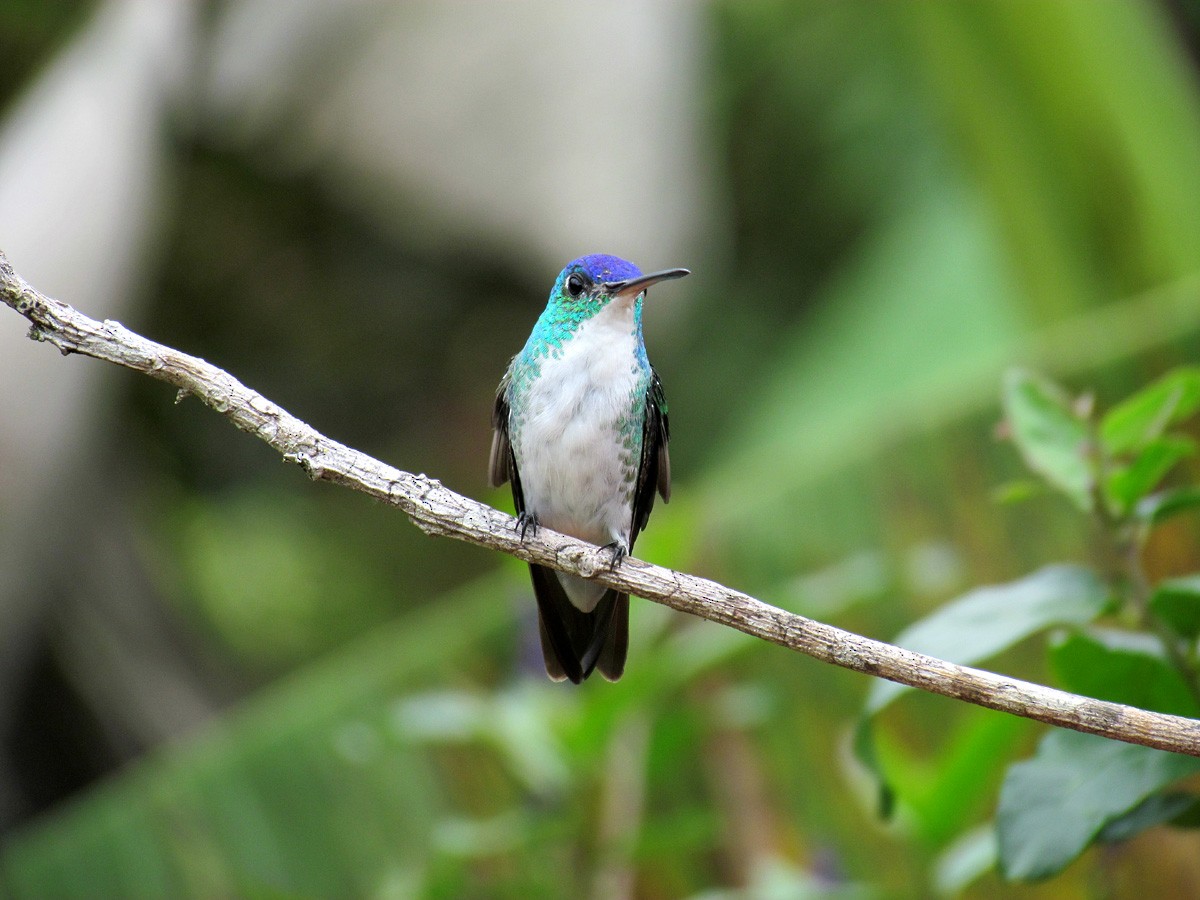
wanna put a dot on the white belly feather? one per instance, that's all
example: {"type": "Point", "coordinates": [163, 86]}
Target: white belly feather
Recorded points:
{"type": "Point", "coordinates": [575, 469]}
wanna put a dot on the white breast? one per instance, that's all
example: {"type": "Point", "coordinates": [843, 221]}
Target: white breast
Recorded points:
{"type": "Point", "coordinates": [574, 467]}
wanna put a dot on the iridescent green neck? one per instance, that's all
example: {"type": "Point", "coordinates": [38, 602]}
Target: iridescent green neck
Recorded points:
{"type": "Point", "coordinates": [562, 318]}
{"type": "Point", "coordinates": [558, 324]}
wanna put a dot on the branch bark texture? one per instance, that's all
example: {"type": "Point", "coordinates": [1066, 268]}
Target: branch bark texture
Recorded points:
{"type": "Point", "coordinates": [438, 510]}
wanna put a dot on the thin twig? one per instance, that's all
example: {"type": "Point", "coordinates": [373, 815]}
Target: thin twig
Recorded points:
{"type": "Point", "coordinates": [437, 510]}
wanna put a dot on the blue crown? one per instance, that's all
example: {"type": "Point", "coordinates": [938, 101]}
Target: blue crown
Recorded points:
{"type": "Point", "coordinates": [603, 267]}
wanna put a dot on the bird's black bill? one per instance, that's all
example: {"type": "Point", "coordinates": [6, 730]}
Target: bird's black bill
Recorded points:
{"type": "Point", "coordinates": [639, 284]}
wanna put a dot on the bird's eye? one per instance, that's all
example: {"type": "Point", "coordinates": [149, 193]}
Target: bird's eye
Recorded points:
{"type": "Point", "coordinates": [575, 285]}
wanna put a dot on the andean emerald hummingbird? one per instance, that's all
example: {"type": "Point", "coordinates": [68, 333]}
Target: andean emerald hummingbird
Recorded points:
{"type": "Point", "coordinates": [581, 433]}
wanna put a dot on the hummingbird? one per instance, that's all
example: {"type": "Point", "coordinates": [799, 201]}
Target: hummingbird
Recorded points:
{"type": "Point", "coordinates": [580, 431]}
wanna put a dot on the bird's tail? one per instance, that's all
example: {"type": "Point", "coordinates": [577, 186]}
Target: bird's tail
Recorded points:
{"type": "Point", "coordinates": [574, 642]}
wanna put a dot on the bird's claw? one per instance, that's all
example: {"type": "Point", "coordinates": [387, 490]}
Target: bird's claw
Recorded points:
{"type": "Point", "coordinates": [527, 522]}
{"type": "Point", "coordinates": [619, 552]}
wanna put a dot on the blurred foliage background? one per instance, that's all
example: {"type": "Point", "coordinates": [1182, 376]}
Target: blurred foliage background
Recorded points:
{"type": "Point", "coordinates": [219, 679]}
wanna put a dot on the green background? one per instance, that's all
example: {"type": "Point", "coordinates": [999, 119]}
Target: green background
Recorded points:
{"type": "Point", "coordinates": [917, 196]}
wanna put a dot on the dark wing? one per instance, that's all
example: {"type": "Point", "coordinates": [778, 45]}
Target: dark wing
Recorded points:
{"type": "Point", "coordinates": [654, 472]}
{"type": "Point", "coordinates": [502, 465]}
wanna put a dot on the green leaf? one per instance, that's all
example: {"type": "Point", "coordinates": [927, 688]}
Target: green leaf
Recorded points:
{"type": "Point", "coordinates": [941, 789]}
{"type": "Point", "coordinates": [1157, 809]}
{"type": "Point", "coordinates": [978, 625]}
{"type": "Point", "coordinates": [516, 721]}
{"type": "Point", "coordinates": [987, 620]}
{"type": "Point", "coordinates": [1176, 601]}
{"type": "Point", "coordinates": [1052, 440]}
{"type": "Point", "coordinates": [308, 791]}
{"type": "Point", "coordinates": [1142, 418]}
{"type": "Point", "coordinates": [1124, 667]}
{"type": "Point", "coordinates": [1055, 804]}
{"type": "Point", "coordinates": [1158, 508]}
{"type": "Point", "coordinates": [1189, 817]}
{"type": "Point", "coordinates": [1018, 491]}
{"type": "Point", "coordinates": [866, 752]}
{"type": "Point", "coordinates": [965, 860]}
{"type": "Point", "coordinates": [1129, 484]}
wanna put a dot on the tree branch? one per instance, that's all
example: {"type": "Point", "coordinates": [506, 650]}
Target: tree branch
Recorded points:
{"type": "Point", "coordinates": [437, 510]}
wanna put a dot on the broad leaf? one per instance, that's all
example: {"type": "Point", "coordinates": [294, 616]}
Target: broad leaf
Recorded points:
{"type": "Point", "coordinates": [1158, 508]}
{"type": "Point", "coordinates": [1142, 418]}
{"type": "Point", "coordinates": [1052, 440]}
{"type": "Point", "coordinates": [976, 626]}
{"type": "Point", "coordinates": [1130, 483]}
{"type": "Point", "coordinates": [1124, 667]}
{"type": "Point", "coordinates": [1132, 668]}
{"type": "Point", "coordinates": [1055, 804]}
{"type": "Point", "coordinates": [1177, 602]}
{"type": "Point", "coordinates": [987, 620]}
{"type": "Point", "coordinates": [1157, 809]}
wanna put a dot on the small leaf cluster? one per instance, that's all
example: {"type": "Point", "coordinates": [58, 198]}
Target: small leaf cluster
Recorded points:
{"type": "Point", "coordinates": [1114, 635]}
{"type": "Point", "coordinates": [1108, 466]}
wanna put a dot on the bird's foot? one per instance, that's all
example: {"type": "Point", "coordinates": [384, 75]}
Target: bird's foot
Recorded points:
{"type": "Point", "coordinates": [527, 522]}
{"type": "Point", "coordinates": [619, 552]}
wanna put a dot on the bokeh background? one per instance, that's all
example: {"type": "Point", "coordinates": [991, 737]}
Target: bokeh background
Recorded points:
{"type": "Point", "coordinates": [218, 679]}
